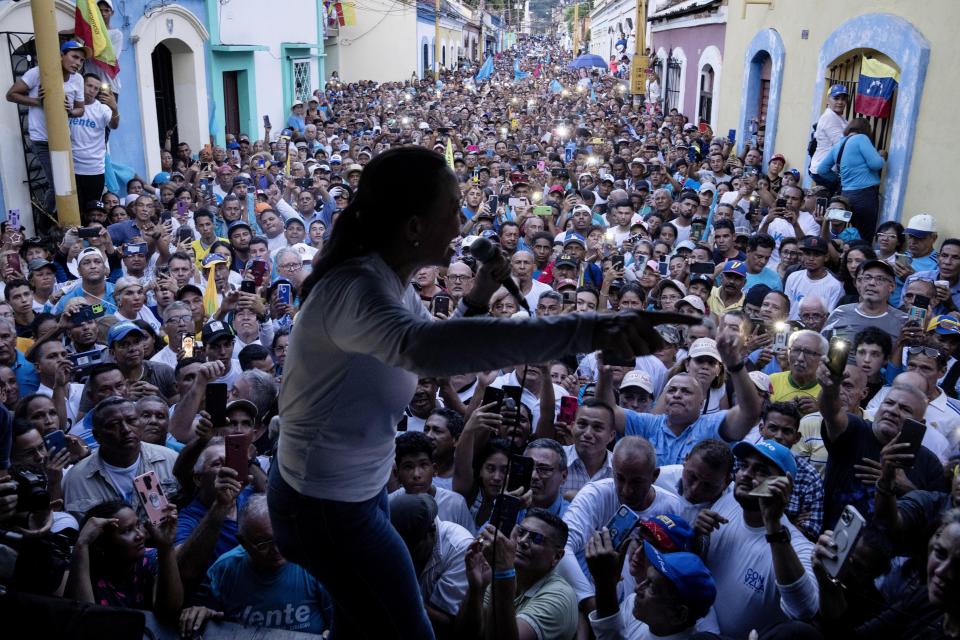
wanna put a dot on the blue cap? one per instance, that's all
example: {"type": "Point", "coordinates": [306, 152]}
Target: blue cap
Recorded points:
{"type": "Point", "coordinates": [212, 258]}
{"type": "Point", "coordinates": [233, 145]}
{"type": "Point", "coordinates": [838, 90]}
{"type": "Point", "coordinates": [668, 532]}
{"type": "Point", "coordinates": [688, 574]}
{"type": "Point", "coordinates": [121, 330]}
{"type": "Point", "coordinates": [737, 267]}
{"type": "Point", "coordinates": [772, 451]}
{"type": "Point", "coordinates": [237, 224]}
{"type": "Point", "coordinates": [573, 236]}
{"type": "Point", "coordinates": [161, 178]}
{"type": "Point", "coordinates": [74, 45]}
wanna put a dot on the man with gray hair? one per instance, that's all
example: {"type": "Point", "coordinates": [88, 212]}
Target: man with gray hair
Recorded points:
{"type": "Point", "coordinates": [27, 378]}
{"type": "Point", "coordinates": [855, 447]}
{"type": "Point", "coordinates": [259, 388]}
{"type": "Point", "coordinates": [799, 382]}
{"type": "Point", "coordinates": [813, 312]}
{"type": "Point", "coordinates": [632, 485]}
{"type": "Point", "coordinates": [253, 584]}
{"type": "Point", "coordinates": [177, 324]}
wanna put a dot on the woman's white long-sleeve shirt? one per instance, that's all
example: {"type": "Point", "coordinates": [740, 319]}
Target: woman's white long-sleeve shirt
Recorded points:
{"type": "Point", "coordinates": [356, 350]}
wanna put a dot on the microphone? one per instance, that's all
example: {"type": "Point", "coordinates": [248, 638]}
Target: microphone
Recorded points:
{"type": "Point", "coordinates": [486, 252]}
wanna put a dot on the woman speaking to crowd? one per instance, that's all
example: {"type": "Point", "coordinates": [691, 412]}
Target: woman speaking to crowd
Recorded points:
{"type": "Point", "coordinates": [361, 340]}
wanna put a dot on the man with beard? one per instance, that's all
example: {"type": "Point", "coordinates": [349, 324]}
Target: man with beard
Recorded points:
{"type": "Point", "coordinates": [729, 295]}
{"type": "Point", "coordinates": [760, 561]}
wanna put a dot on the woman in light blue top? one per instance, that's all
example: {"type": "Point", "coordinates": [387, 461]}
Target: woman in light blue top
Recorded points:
{"type": "Point", "coordinates": [860, 166]}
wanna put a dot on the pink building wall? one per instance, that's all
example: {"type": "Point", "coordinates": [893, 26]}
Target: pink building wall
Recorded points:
{"type": "Point", "coordinates": [692, 40]}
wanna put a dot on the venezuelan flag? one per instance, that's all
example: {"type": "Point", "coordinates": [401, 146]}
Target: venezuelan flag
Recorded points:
{"type": "Point", "coordinates": [89, 27]}
{"type": "Point", "coordinates": [875, 88]}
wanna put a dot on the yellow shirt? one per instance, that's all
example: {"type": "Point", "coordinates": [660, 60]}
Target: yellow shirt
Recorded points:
{"type": "Point", "coordinates": [202, 252]}
{"type": "Point", "coordinates": [811, 444]}
{"type": "Point", "coordinates": [717, 306]}
{"type": "Point", "coordinates": [784, 390]}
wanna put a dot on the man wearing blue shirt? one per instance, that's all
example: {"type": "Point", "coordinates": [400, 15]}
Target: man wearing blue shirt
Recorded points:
{"type": "Point", "coordinates": [254, 585]}
{"type": "Point", "coordinates": [297, 121]}
{"type": "Point", "coordinates": [93, 288]}
{"type": "Point", "coordinates": [760, 247]}
{"type": "Point", "coordinates": [947, 270]}
{"type": "Point", "coordinates": [681, 426]}
{"type": "Point", "coordinates": [27, 379]}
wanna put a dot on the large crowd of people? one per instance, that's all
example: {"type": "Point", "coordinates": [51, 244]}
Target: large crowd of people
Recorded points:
{"type": "Point", "coordinates": [777, 458]}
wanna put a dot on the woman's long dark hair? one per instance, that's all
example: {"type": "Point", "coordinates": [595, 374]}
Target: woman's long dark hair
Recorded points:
{"type": "Point", "coordinates": [394, 186]}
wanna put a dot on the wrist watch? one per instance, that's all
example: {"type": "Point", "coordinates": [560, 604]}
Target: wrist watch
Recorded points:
{"type": "Point", "coordinates": [783, 536]}
{"type": "Point", "coordinates": [737, 367]}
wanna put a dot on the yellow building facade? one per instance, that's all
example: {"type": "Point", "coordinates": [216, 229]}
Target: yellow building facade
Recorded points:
{"type": "Point", "coordinates": [782, 56]}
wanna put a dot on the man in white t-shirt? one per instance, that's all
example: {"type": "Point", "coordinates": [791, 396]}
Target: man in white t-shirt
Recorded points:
{"type": "Point", "coordinates": [53, 367]}
{"type": "Point", "coordinates": [88, 138]}
{"type": "Point", "coordinates": [830, 128]}
{"type": "Point", "coordinates": [761, 563]}
{"type": "Point", "coordinates": [635, 470]}
{"type": "Point", "coordinates": [813, 279]}
{"type": "Point", "coordinates": [27, 92]}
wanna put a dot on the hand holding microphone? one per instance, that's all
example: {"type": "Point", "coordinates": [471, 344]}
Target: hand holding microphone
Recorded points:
{"type": "Point", "coordinates": [494, 273]}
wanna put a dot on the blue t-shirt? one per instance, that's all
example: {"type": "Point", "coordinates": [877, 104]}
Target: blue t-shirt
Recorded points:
{"type": "Point", "coordinates": [771, 367]}
{"type": "Point", "coordinates": [26, 373]}
{"type": "Point", "coordinates": [766, 276]}
{"type": "Point", "coordinates": [673, 449]}
{"type": "Point", "coordinates": [290, 599]}
{"type": "Point", "coordinates": [77, 292]}
{"type": "Point", "coordinates": [190, 516]}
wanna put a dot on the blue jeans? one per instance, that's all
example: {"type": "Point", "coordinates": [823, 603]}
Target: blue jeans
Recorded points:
{"type": "Point", "coordinates": [354, 551]}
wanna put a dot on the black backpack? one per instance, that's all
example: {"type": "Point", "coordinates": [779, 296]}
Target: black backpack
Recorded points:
{"type": "Point", "coordinates": [812, 145]}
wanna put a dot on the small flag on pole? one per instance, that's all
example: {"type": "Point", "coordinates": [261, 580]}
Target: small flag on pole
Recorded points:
{"type": "Point", "coordinates": [448, 154]}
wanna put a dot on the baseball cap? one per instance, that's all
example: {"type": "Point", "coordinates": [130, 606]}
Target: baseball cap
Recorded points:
{"type": "Point", "coordinates": [211, 259]}
{"type": "Point", "coordinates": [566, 260]}
{"type": "Point", "coordinates": [736, 267]}
{"type": "Point", "coordinates": [704, 347]}
{"type": "Point", "coordinates": [75, 45]}
{"type": "Point", "coordinates": [161, 178]}
{"type": "Point", "coordinates": [838, 90]}
{"type": "Point", "coordinates": [814, 244]}
{"type": "Point", "coordinates": [237, 224]}
{"type": "Point", "coordinates": [668, 333]}
{"type": "Point", "coordinates": [306, 251]}
{"type": "Point", "coordinates": [689, 245]}
{"type": "Point", "coordinates": [689, 576]}
{"type": "Point", "coordinates": [877, 264]}
{"type": "Point", "coordinates": [944, 325]}
{"type": "Point", "coordinates": [667, 532]}
{"type": "Point", "coordinates": [556, 189]}
{"type": "Point", "coordinates": [637, 379]}
{"type": "Point", "coordinates": [573, 236]}
{"type": "Point", "coordinates": [761, 381]}
{"type": "Point", "coordinates": [778, 156]}
{"type": "Point", "coordinates": [606, 177]}
{"type": "Point", "coordinates": [188, 288]}
{"type": "Point", "coordinates": [95, 205]}
{"type": "Point", "coordinates": [260, 207]}
{"type": "Point", "coordinates": [354, 167]}
{"type": "Point", "coordinates": [88, 252]}
{"type": "Point", "coordinates": [244, 405]}
{"type": "Point", "coordinates": [121, 330]}
{"type": "Point", "coordinates": [296, 103]}
{"type": "Point", "coordinates": [694, 301]}
{"type": "Point", "coordinates": [772, 451]}
{"type": "Point", "coordinates": [412, 515]}
{"type": "Point", "coordinates": [707, 187]}
{"type": "Point", "coordinates": [920, 226]}
{"type": "Point", "coordinates": [292, 220]}
{"type": "Point", "coordinates": [336, 159]}
{"type": "Point", "coordinates": [39, 263]}
{"type": "Point", "coordinates": [566, 282]}
{"type": "Point", "coordinates": [214, 330]}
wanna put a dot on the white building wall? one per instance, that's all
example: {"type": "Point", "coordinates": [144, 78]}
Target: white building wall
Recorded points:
{"type": "Point", "coordinates": [380, 47]}
{"type": "Point", "coordinates": [246, 22]}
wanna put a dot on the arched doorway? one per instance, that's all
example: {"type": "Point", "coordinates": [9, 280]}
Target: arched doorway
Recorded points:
{"type": "Point", "coordinates": [165, 94]}
{"type": "Point", "coordinates": [705, 97]}
{"type": "Point", "coordinates": [169, 50]}
{"type": "Point", "coordinates": [760, 95]}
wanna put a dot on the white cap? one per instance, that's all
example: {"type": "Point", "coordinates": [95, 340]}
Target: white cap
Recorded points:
{"type": "Point", "coordinates": [694, 301]}
{"type": "Point", "coordinates": [761, 381]}
{"type": "Point", "coordinates": [922, 225]}
{"type": "Point", "coordinates": [637, 379]}
{"type": "Point", "coordinates": [708, 186]}
{"type": "Point", "coordinates": [306, 251]}
{"type": "Point", "coordinates": [730, 197]}
{"type": "Point", "coordinates": [704, 347]}
{"type": "Point", "coordinates": [297, 102]}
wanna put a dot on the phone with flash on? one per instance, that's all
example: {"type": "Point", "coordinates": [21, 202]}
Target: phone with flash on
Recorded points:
{"type": "Point", "coordinates": [837, 355]}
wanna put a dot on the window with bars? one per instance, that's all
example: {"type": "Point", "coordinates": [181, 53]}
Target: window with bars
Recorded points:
{"type": "Point", "coordinates": [301, 79]}
{"type": "Point", "coordinates": [706, 93]}
{"type": "Point", "coordinates": [845, 70]}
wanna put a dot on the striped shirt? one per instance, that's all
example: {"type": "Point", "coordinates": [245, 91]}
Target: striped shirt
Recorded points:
{"type": "Point", "coordinates": [577, 474]}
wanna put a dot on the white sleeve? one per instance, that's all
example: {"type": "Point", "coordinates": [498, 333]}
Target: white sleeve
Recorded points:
{"type": "Point", "coordinates": [801, 600]}
{"type": "Point", "coordinates": [285, 210]}
{"type": "Point", "coordinates": [569, 569]}
{"type": "Point", "coordinates": [31, 77]}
